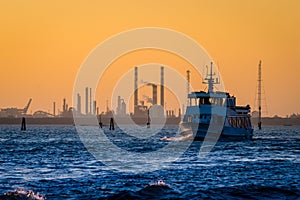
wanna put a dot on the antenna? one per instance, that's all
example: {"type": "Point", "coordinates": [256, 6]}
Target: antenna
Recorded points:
{"type": "Point", "coordinates": [210, 79]}
{"type": "Point", "coordinates": [162, 83]}
{"type": "Point", "coordinates": [188, 82]}
{"type": "Point", "coordinates": [259, 95]}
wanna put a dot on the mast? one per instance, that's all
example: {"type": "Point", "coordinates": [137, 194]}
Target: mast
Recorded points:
{"type": "Point", "coordinates": [188, 82]}
{"type": "Point", "coordinates": [210, 81]}
{"type": "Point", "coordinates": [259, 95]}
{"type": "Point", "coordinates": [162, 89]}
{"type": "Point", "coordinates": [136, 92]}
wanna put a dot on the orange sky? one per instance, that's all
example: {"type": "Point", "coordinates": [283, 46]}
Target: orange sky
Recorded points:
{"type": "Point", "coordinates": [43, 44]}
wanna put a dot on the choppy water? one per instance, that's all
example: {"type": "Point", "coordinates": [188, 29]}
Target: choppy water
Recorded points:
{"type": "Point", "coordinates": [52, 161]}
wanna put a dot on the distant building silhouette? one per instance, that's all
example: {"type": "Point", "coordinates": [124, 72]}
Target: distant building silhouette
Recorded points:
{"type": "Point", "coordinates": [86, 100]}
{"type": "Point", "coordinates": [78, 103]}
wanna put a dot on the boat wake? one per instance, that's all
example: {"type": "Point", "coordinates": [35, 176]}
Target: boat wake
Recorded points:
{"type": "Point", "coordinates": [185, 135]}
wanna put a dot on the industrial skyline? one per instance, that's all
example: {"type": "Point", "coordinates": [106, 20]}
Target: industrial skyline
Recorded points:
{"type": "Point", "coordinates": [91, 108]}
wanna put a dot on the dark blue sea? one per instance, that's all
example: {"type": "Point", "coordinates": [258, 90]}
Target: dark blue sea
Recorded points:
{"type": "Point", "coordinates": [53, 163]}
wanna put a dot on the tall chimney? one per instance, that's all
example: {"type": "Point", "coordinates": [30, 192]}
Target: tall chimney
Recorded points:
{"type": "Point", "coordinates": [64, 105]}
{"type": "Point", "coordinates": [54, 108]}
{"type": "Point", "coordinates": [78, 103]}
{"type": "Point", "coordinates": [91, 100]}
{"type": "Point", "coordinates": [86, 100]}
{"type": "Point", "coordinates": [94, 107]}
{"type": "Point", "coordinates": [154, 94]}
{"type": "Point", "coordinates": [119, 106]}
{"type": "Point", "coordinates": [135, 88]}
{"type": "Point", "coordinates": [162, 92]}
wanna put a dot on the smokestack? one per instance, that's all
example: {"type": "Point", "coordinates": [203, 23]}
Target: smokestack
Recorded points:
{"type": "Point", "coordinates": [86, 100]}
{"type": "Point", "coordinates": [91, 100]}
{"type": "Point", "coordinates": [162, 92]}
{"type": "Point", "coordinates": [123, 107]}
{"type": "Point", "coordinates": [135, 88]}
{"type": "Point", "coordinates": [95, 106]}
{"type": "Point", "coordinates": [154, 94]}
{"type": "Point", "coordinates": [78, 103]}
{"type": "Point", "coordinates": [64, 105]}
{"type": "Point", "coordinates": [119, 106]}
{"type": "Point", "coordinates": [54, 108]}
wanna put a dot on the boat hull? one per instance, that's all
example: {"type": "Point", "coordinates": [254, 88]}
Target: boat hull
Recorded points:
{"type": "Point", "coordinates": [203, 131]}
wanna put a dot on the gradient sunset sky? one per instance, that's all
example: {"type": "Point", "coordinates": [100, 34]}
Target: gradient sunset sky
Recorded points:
{"type": "Point", "coordinates": [43, 44]}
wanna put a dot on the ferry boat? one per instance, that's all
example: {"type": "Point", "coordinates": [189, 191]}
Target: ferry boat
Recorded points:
{"type": "Point", "coordinates": [215, 115]}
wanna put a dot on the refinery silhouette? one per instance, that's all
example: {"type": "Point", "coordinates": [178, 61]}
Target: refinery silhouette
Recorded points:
{"type": "Point", "coordinates": [140, 114]}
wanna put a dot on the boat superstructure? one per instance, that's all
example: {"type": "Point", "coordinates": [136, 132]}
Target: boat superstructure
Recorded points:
{"type": "Point", "coordinates": [215, 114]}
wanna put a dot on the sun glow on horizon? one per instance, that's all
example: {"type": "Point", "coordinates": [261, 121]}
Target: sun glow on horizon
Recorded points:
{"type": "Point", "coordinates": [43, 45]}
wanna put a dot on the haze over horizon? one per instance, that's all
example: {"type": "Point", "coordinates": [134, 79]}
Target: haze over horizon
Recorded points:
{"type": "Point", "coordinates": [43, 45]}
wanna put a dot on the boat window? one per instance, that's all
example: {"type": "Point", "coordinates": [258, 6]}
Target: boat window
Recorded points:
{"type": "Point", "coordinates": [217, 101]}
{"type": "Point", "coordinates": [201, 100]}
{"type": "Point", "coordinates": [206, 101]}
{"type": "Point", "coordinates": [189, 118]}
{"type": "Point", "coordinates": [221, 102]}
{"type": "Point", "coordinates": [230, 102]}
{"type": "Point", "coordinates": [231, 121]}
{"type": "Point", "coordinates": [234, 122]}
{"type": "Point", "coordinates": [194, 102]}
{"type": "Point", "coordinates": [240, 122]}
{"type": "Point", "coordinates": [243, 122]}
{"type": "Point", "coordinates": [246, 123]}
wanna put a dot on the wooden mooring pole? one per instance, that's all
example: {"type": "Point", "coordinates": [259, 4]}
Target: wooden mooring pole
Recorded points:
{"type": "Point", "coordinates": [111, 124]}
{"type": "Point", "coordinates": [100, 122]}
{"type": "Point", "coordinates": [148, 120]}
{"type": "Point", "coordinates": [23, 125]}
